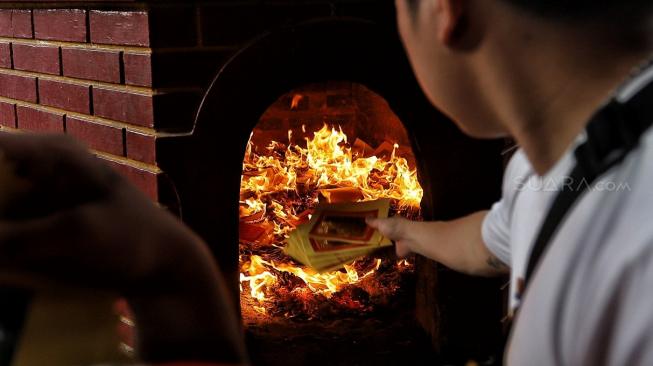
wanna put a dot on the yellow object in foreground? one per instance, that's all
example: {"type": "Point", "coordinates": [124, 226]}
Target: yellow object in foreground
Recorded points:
{"type": "Point", "coordinates": [69, 328]}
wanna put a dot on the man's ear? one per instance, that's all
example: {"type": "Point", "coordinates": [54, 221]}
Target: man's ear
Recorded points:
{"type": "Point", "coordinates": [449, 15]}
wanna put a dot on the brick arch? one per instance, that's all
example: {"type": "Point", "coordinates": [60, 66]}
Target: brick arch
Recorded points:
{"type": "Point", "coordinates": [459, 175]}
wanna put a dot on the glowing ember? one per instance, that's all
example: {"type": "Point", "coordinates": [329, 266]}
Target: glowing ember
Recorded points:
{"type": "Point", "coordinates": [282, 184]}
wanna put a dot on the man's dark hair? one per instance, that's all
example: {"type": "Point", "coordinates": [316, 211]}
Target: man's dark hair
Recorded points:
{"type": "Point", "coordinates": [616, 11]}
{"type": "Point", "coordinates": [586, 9]}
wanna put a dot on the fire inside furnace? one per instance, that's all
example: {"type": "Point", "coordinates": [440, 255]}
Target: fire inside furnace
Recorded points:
{"type": "Point", "coordinates": [281, 184]}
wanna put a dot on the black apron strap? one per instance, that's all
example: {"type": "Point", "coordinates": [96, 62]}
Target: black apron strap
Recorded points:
{"type": "Point", "coordinates": [611, 135]}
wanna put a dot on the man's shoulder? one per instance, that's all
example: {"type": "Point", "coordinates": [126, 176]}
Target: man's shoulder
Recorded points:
{"type": "Point", "coordinates": [647, 141]}
{"type": "Point", "coordinates": [638, 168]}
{"type": "Point", "coordinates": [518, 170]}
{"type": "Point", "coordinates": [627, 195]}
{"type": "Point", "coordinates": [519, 161]}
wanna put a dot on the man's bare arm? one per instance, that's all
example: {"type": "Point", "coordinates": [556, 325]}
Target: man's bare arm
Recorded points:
{"type": "Point", "coordinates": [457, 244]}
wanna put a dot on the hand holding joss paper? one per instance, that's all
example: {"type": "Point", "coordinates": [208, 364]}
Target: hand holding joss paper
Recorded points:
{"type": "Point", "coordinates": [338, 234]}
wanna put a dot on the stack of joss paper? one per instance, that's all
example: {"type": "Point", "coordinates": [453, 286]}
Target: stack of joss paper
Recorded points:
{"type": "Point", "coordinates": [337, 234]}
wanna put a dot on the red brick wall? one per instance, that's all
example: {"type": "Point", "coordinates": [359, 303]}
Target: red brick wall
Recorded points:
{"type": "Point", "coordinates": [63, 70]}
{"type": "Point", "coordinates": [120, 75]}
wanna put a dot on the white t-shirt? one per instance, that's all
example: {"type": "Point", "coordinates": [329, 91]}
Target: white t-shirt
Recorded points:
{"type": "Point", "coordinates": [591, 300]}
{"type": "Point", "coordinates": [510, 227]}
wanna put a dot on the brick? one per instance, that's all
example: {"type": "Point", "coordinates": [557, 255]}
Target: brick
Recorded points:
{"type": "Point", "coordinates": [15, 23]}
{"type": "Point", "coordinates": [60, 24]}
{"type": "Point", "coordinates": [7, 114]}
{"type": "Point", "coordinates": [99, 65]}
{"type": "Point", "coordinates": [71, 97]}
{"type": "Point", "coordinates": [187, 68]}
{"type": "Point", "coordinates": [129, 28]}
{"type": "Point", "coordinates": [5, 55]}
{"type": "Point", "coordinates": [144, 180]}
{"type": "Point", "coordinates": [18, 87]}
{"type": "Point", "coordinates": [227, 25]}
{"type": "Point", "coordinates": [380, 12]}
{"type": "Point", "coordinates": [43, 59]}
{"type": "Point", "coordinates": [173, 26]}
{"type": "Point", "coordinates": [124, 106]}
{"type": "Point", "coordinates": [175, 111]}
{"type": "Point", "coordinates": [141, 147]}
{"type": "Point", "coordinates": [231, 25]}
{"type": "Point", "coordinates": [98, 137]}
{"type": "Point", "coordinates": [37, 120]}
{"type": "Point", "coordinates": [339, 101]}
{"type": "Point", "coordinates": [138, 69]}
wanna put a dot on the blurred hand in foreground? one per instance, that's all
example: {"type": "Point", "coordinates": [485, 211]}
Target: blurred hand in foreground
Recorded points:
{"type": "Point", "coordinates": [71, 219]}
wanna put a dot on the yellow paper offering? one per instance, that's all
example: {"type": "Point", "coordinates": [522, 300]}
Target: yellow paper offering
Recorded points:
{"type": "Point", "coordinates": [337, 235]}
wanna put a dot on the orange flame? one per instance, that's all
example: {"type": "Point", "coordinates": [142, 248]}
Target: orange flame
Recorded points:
{"type": "Point", "coordinates": [259, 277]}
{"type": "Point", "coordinates": [296, 99]}
{"type": "Point", "coordinates": [327, 161]}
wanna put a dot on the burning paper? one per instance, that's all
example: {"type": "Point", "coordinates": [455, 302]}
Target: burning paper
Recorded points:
{"type": "Point", "coordinates": [281, 189]}
{"type": "Point", "coordinates": [337, 235]}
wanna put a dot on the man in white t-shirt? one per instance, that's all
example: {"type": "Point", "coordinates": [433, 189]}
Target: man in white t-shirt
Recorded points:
{"type": "Point", "coordinates": [538, 70]}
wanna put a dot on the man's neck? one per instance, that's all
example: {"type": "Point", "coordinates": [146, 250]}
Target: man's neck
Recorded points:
{"type": "Point", "coordinates": [549, 132]}
{"type": "Point", "coordinates": [552, 86]}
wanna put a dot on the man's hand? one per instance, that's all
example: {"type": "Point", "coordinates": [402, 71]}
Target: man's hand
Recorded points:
{"type": "Point", "coordinates": [398, 230]}
{"type": "Point", "coordinates": [457, 244]}
{"type": "Point", "coordinates": [78, 222]}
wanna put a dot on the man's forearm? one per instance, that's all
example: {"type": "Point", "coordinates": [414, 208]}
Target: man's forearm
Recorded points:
{"type": "Point", "coordinates": [458, 244]}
